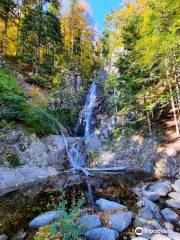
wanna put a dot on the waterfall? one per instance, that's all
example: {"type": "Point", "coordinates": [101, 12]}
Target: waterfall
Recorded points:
{"type": "Point", "coordinates": [85, 120]}
{"type": "Point", "coordinates": [74, 157]}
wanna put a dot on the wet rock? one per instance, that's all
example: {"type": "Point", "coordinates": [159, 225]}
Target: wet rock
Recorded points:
{"type": "Point", "coordinates": [161, 188]}
{"type": "Point", "coordinates": [173, 203]}
{"type": "Point", "coordinates": [160, 237]}
{"type": "Point", "coordinates": [176, 185]}
{"type": "Point", "coordinates": [175, 195]}
{"type": "Point", "coordinates": [101, 234]}
{"type": "Point", "coordinates": [120, 221]}
{"type": "Point", "coordinates": [3, 237]}
{"type": "Point", "coordinates": [174, 235]}
{"type": "Point", "coordinates": [90, 221]}
{"type": "Point", "coordinates": [146, 213]}
{"type": "Point", "coordinates": [44, 219]}
{"type": "Point", "coordinates": [169, 215]}
{"type": "Point", "coordinates": [104, 204]}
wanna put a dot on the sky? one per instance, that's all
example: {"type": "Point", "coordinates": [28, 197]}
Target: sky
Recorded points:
{"type": "Point", "coordinates": [100, 8]}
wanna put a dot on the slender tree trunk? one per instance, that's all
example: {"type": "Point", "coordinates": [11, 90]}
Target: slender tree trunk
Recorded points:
{"type": "Point", "coordinates": [4, 41]}
{"type": "Point", "coordinates": [173, 105]}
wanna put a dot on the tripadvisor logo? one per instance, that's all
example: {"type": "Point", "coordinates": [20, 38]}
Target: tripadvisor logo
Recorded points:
{"type": "Point", "coordinates": [140, 231]}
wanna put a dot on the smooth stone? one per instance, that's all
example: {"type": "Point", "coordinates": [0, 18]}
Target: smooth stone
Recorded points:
{"type": "Point", "coordinates": [176, 185]}
{"type": "Point", "coordinates": [44, 219]}
{"type": "Point", "coordinates": [152, 206]}
{"type": "Point", "coordinates": [120, 221]}
{"type": "Point", "coordinates": [159, 237]}
{"type": "Point", "coordinates": [104, 205]}
{"type": "Point", "coordinates": [175, 195]}
{"type": "Point", "coordinates": [101, 234]}
{"type": "Point", "coordinates": [161, 188]}
{"type": "Point", "coordinates": [174, 235]}
{"type": "Point", "coordinates": [173, 203]}
{"type": "Point", "coordinates": [146, 213]}
{"type": "Point", "coordinates": [3, 237]}
{"type": "Point", "coordinates": [90, 221]}
{"type": "Point", "coordinates": [152, 196]}
{"type": "Point", "coordinates": [169, 215]}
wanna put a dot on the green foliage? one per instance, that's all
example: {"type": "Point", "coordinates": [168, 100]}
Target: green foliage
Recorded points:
{"type": "Point", "coordinates": [116, 133]}
{"type": "Point", "coordinates": [68, 224]}
{"type": "Point", "coordinates": [39, 81]}
{"type": "Point", "coordinates": [14, 160]}
{"type": "Point", "coordinates": [67, 227]}
{"type": "Point", "coordinates": [148, 65]}
{"type": "Point", "coordinates": [15, 107]}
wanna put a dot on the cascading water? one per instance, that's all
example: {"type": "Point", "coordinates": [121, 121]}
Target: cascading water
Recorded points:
{"type": "Point", "coordinates": [75, 158]}
{"type": "Point", "coordinates": [85, 120]}
{"type": "Point", "coordinates": [89, 109]}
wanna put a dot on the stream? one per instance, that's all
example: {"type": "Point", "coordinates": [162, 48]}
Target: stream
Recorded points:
{"type": "Point", "coordinates": [17, 208]}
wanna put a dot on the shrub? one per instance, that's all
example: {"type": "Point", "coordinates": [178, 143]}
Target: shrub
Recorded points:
{"type": "Point", "coordinates": [13, 159]}
{"type": "Point", "coordinates": [39, 81]}
{"type": "Point", "coordinates": [39, 120]}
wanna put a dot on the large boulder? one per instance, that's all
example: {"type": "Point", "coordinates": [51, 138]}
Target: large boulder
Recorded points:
{"type": "Point", "coordinates": [169, 215]}
{"type": "Point", "coordinates": [55, 149]}
{"type": "Point", "coordinates": [161, 188]}
{"type": "Point", "coordinates": [152, 206]}
{"type": "Point", "coordinates": [105, 205]}
{"type": "Point", "coordinates": [101, 234]}
{"type": "Point", "coordinates": [44, 219]}
{"type": "Point", "coordinates": [146, 213]}
{"type": "Point", "coordinates": [176, 185]}
{"type": "Point", "coordinates": [93, 144]}
{"type": "Point", "coordinates": [90, 221]}
{"type": "Point", "coordinates": [173, 203]}
{"type": "Point", "coordinates": [120, 221]}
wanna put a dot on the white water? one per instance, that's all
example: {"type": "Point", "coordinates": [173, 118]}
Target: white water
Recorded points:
{"type": "Point", "coordinates": [89, 109]}
{"type": "Point", "coordinates": [74, 157]}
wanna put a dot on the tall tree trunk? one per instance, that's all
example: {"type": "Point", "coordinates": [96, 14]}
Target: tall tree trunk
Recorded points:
{"type": "Point", "coordinates": [173, 105]}
{"type": "Point", "coordinates": [4, 42]}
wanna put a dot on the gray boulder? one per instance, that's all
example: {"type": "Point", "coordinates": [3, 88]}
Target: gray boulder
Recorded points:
{"type": "Point", "coordinates": [101, 234]}
{"type": "Point", "coordinates": [176, 185]}
{"type": "Point", "coordinates": [173, 203]}
{"type": "Point", "coordinates": [169, 215]}
{"type": "Point", "coordinates": [160, 237]}
{"type": "Point", "coordinates": [120, 221]}
{"type": "Point", "coordinates": [175, 195]}
{"type": "Point", "coordinates": [152, 196]}
{"type": "Point", "coordinates": [3, 237]}
{"type": "Point", "coordinates": [152, 206]}
{"type": "Point", "coordinates": [174, 235]}
{"type": "Point", "coordinates": [146, 213]}
{"type": "Point", "coordinates": [161, 188]}
{"type": "Point", "coordinates": [90, 221]}
{"type": "Point", "coordinates": [105, 205]}
{"type": "Point", "coordinates": [44, 219]}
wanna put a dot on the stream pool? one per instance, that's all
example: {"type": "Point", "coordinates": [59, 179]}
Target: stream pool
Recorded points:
{"type": "Point", "coordinates": [17, 208]}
